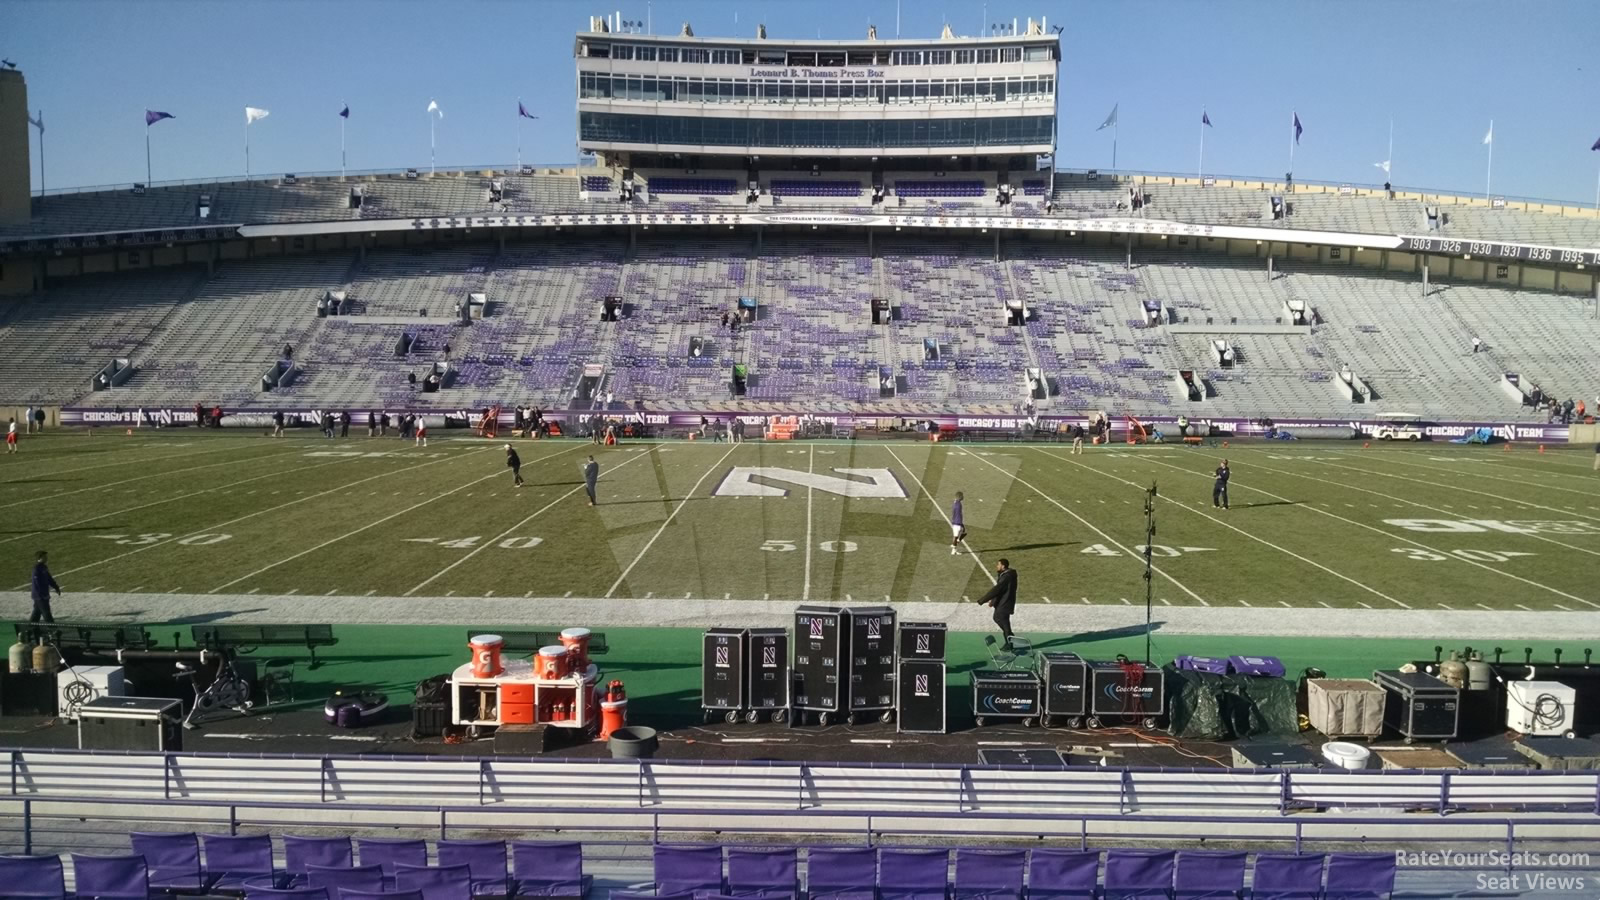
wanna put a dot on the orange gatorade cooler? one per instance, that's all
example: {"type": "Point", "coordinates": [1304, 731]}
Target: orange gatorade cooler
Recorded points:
{"type": "Point", "coordinates": [613, 715]}
{"type": "Point", "coordinates": [552, 662]}
{"type": "Point", "coordinates": [576, 640]}
{"type": "Point", "coordinates": [486, 655]}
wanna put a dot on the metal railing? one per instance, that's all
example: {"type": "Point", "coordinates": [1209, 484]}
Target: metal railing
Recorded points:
{"type": "Point", "coordinates": [879, 789]}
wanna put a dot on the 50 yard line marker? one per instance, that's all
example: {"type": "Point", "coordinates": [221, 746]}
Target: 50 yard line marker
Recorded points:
{"type": "Point", "coordinates": [670, 516]}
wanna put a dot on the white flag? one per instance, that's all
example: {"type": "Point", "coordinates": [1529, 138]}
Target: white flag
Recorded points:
{"type": "Point", "coordinates": [434, 107]}
{"type": "Point", "coordinates": [1384, 166]}
{"type": "Point", "coordinates": [1110, 120]}
{"type": "Point", "coordinates": [1489, 138]}
{"type": "Point", "coordinates": [251, 114]}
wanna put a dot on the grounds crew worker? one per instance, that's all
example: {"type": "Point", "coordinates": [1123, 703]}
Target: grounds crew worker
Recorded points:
{"type": "Point", "coordinates": [1003, 598]}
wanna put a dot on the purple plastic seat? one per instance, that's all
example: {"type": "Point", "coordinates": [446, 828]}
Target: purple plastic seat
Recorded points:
{"type": "Point", "coordinates": [913, 874]}
{"type": "Point", "coordinates": [1286, 876]}
{"type": "Point", "coordinates": [549, 869]}
{"type": "Point", "coordinates": [641, 895]}
{"type": "Point", "coordinates": [33, 877]}
{"type": "Point", "coordinates": [850, 874]}
{"type": "Point", "coordinates": [124, 877]}
{"type": "Point", "coordinates": [336, 878]}
{"type": "Point", "coordinates": [1360, 876]}
{"type": "Point", "coordinates": [435, 882]}
{"type": "Point", "coordinates": [688, 870]}
{"type": "Point", "coordinates": [989, 874]}
{"type": "Point", "coordinates": [300, 852]}
{"type": "Point", "coordinates": [173, 859]}
{"type": "Point", "coordinates": [485, 859]}
{"type": "Point", "coordinates": [230, 859]}
{"type": "Point", "coordinates": [385, 852]}
{"type": "Point", "coordinates": [1139, 874]}
{"type": "Point", "coordinates": [300, 893]}
{"type": "Point", "coordinates": [769, 874]}
{"type": "Point", "coordinates": [349, 894]}
{"type": "Point", "coordinates": [1210, 874]}
{"type": "Point", "coordinates": [1061, 874]}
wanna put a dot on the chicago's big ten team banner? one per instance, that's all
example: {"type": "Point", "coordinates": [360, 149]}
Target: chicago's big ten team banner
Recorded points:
{"type": "Point", "coordinates": [251, 417]}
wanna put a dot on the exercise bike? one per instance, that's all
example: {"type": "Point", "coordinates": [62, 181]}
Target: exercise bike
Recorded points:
{"type": "Point", "coordinates": [228, 690]}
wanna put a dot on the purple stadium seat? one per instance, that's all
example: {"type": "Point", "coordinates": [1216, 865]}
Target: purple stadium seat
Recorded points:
{"type": "Point", "coordinates": [694, 870]}
{"type": "Point", "coordinates": [300, 852]}
{"type": "Point", "coordinates": [913, 874]}
{"type": "Point", "coordinates": [435, 882]}
{"type": "Point", "coordinates": [173, 859]}
{"type": "Point", "coordinates": [989, 874]}
{"type": "Point", "coordinates": [111, 877]}
{"type": "Point", "coordinates": [300, 893]}
{"type": "Point", "coordinates": [549, 869]}
{"type": "Point", "coordinates": [1360, 876]}
{"type": "Point", "coordinates": [33, 877]}
{"type": "Point", "coordinates": [485, 859]}
{"type": "Point", "coordinates": [641, 895]}
{"type": "Point", "coordinates": [1210, 874]}
{"type": "Point", "coordinates": [1286, 876]}
{"type": "Point", "coordinates": [841, 874]}
{"type": "Point", "coordinates": [767, 874]}
{"type": "Point", "coordinates": [1140, 874]}
{"type": "Point", "coordinates": [1060, 874]}
{"type": "Point", "coordinates": [385, 852]}
{"type": "Point", "coordinates": [337, 878]}
{"type": "Point", "coordinates": [348, 894]}
{"type": "Point", "coordinates": [230, 859]}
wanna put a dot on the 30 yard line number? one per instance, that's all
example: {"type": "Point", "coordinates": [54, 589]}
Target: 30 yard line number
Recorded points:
{"type": "Point", "coordinates": [156, 537]}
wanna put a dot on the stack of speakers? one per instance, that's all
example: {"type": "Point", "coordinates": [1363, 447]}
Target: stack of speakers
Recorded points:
{"type": "Point", "coordinates": [921, 700]}
{"type": "Point", "coordinates": [745, 674]}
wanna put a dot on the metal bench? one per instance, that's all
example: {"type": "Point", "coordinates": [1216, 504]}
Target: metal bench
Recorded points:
{"type": "Point", "coordinates": [245, 638]}
{"type": "Point", "coordinates": [531, 641]}
{"type": "Point", "coordinates": [87, 637]}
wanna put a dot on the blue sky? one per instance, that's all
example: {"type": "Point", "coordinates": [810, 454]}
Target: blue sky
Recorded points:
{"type": "Point", "coordinates": [1441, 69]}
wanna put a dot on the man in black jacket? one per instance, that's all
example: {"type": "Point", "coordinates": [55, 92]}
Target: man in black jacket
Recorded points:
{"type": "Point", "coordinates": [514, 462]}
{"type": "Point", "coordinates": [43, 583]}
{"type": "Point", "coordinates": [1003, 598]}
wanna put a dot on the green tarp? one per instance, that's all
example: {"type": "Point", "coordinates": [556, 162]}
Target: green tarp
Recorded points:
{"type": "Point", "coordinates": [1207, 707]}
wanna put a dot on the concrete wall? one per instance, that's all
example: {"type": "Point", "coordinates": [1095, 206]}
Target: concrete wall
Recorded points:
{"type": "Point", "coordinates": [16, 198]}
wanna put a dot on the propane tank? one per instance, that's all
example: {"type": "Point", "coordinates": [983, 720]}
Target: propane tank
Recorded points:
{"type": "Point", "coordinates": [1453, 671]}
{"type": "Point", "coordinates": [44, 657]}
{"type": "Point", "coordinates": [17, 659]}
{"type": "Point", "coordinates": [1479, 675]}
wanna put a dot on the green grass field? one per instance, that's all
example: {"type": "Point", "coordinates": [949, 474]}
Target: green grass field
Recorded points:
{"type": "Point", "coordinates": [1432, 526]}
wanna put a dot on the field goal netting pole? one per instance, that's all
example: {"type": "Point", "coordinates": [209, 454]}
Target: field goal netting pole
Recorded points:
{"type": "Point", "coordinates": [1149, 565]}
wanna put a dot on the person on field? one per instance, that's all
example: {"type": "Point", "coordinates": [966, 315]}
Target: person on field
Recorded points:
{"type": "Point", "coordinates": [372, 423]}
{"type": "Point", "coordinates": [344, 424]}
{"type": "Point", "coordinates": [958, 529]}
{"type": "Point", "coordinates": [11, 435]}
{"type": "Point", "coordinates": [1597, 457]}
{"type": "Point", "coordinates": [422, 432]}
{"type": "Point", "coordinates": [514, 462]}
{"type": "Point", "coordinates": [27, 420]}
{"type": "Point", "coordinates": [43, 583]}
{"type": "Point", "coordinates": [277, 423]}
{"type": "Point", "coordinates": [591, 478]}
{"type": "Point", "coordinates": [1003, 598]}
{"type": "Point", "coordinates": [1219, 489]}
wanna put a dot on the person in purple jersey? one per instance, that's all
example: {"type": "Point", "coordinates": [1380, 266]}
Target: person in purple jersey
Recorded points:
{"type": "Point", "coordinates": [958, 531]}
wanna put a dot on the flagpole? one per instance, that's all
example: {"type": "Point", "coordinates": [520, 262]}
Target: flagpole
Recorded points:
{"type": "Point", "coordinates": [1116, 130]}
{"type": "Point", "coordinates": [1201, 173]}
{"type": "Point", "coordinates": [431, 164]}
{"type": "Point", "coordinates": [1388, 173]}
{"type": "Point", "coordinates": [247, 148]}
{"type": "Point", "coordinates": [41, 154]}
{"type": "Point", "coordinates": [147, 154]}
{"type": "Point", "coordinates": [1292, 117]}
{"type": "Point", "coordinates": [342, 121]}
{"type": "Point", "coordinates": [1488, 178]}
{"type": "Point", "coordinates": [519, 134]}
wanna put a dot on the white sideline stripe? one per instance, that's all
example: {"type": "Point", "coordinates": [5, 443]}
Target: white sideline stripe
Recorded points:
{"type": "Point", "coordinates": [1415, 503]}
{"type": "Point", "coordinates": [507, 533]}
{"type": "Point", "coordinates": [1231, 527]}
{"type": "Point", "coordinates": [226, 462]}
{"type": "Point", "coordinates": [1406, 540]}
{"type": "Point", "coordinates": [940, 510]}
{"type": "Point", "coordinates": [1103, 536]}
{"type": "Point", "coordinates": [670, 516]}
{"type": "Point", "coordinates": [260, 512]}
{"type": "Point", "coordinates": [174, 498]}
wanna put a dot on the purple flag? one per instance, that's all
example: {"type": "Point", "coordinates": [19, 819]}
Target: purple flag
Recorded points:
{"type": "Point", "coordinates": [523, 111]}
{"type": "Point", "coordinates": [1205, 119]}
{"type": "Point", "coordinates": [1297, 128]}
{"type": "Point", "coordinates": [345, 113]}
{"type": "Point", "coordinates": [1596, 144]}
{"type": "Point", "coordinates": [151, 117]}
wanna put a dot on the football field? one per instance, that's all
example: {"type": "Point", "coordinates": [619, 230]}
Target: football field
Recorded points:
{"type": "Point", "coordinates": [1312, 525]}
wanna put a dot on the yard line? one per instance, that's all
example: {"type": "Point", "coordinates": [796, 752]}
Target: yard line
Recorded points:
{"type": "Point", "coordinates": [1560, 607]}
{"type": "Point", "coordinates": [507, 533]}
{"type": "Point", "coordinates": [1481, 606]}
{"type": "Point", "coordinates": [1284, 603]}
{"type": "Point", "coordinates": [670, 516]}
{"type": "Point", "coordinates": [373, 591]}
{"type": "Point", "coordinates": [227, 462]}
{"type": "Point", "coordinates": [328, 594]}
{"type": "Point", "coordinates": [1520, 606]}
{"type": "Point", "coordinates": [136, 590]}
{"type": "Point", "coordinates": [940, 510]}
{"type": "Point", "coordinates": [1202, 513]}
{"type": "Point", "coordinates": [1324, 603]}
{"type": "Point", "coordinates": [171, 500]}
{"type": "Point", "coordinates": [1045, 599]}
{"type": "Point", "coordinates": [96, 588]}
{"type": "Point", "coordinates": [1369, 606]}
{"type": "Point", "coordinates": [1245, 603]}
{"type": "Point", "coordinates": [567, 594]}
{"type": "Point", "coordinates": [1103, 536]}
{"type": "Point", "coordinates": [1165, 602]}
{"type": "Point", "coordinates": [1124, 601]}
{"type": "Point", "coordinates": [811, 458]}
{"type": "Point", "coordinates": [1405, 540]}
{"type": "Point", "coordinates": [1443, 605]}
{"type": "Point", "coordinates": [242, 518]}
{"type": "Point", "coordinates": [1464, 490]}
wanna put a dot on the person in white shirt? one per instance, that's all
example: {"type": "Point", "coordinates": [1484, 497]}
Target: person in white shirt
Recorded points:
{"type": "Point", "coordinates": [27, 421]}
{"type": "Point", "coordinates": [11, 436]}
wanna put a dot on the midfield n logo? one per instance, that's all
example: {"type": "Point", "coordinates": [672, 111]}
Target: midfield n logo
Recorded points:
{"type": "Point", "coordinates": [741, 482]}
